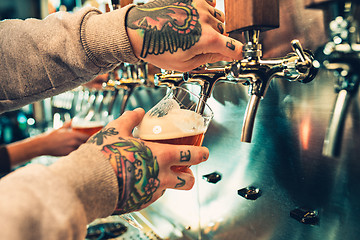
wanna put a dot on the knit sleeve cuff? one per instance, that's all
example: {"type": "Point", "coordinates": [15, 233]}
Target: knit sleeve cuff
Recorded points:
{"type": "Point", "coordinates": [105, 39]}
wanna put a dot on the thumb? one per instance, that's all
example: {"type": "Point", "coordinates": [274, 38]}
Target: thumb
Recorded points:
{"type": "Point", "coordinates": [126, 122]}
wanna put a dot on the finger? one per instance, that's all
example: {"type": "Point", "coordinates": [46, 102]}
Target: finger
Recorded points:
{"type": "Point", "coordinates": [182, 180]}
{"type": "Point", "coordinates": [219, 15]}
{"type": "Point", "coordinates": [182, 155]}
{"type": "Point", "coordinates": [127, 121]}
{"type": "Point", "coordinates": [221, 44]}
{"type": "Point", "coordinates": [211, 2]}
{"type": "Point", "coordinates": [201, 59]}
{"type": "Point", "coordinates": [220, 27]}
{"type": "Point", "coordinates": [159, 193]}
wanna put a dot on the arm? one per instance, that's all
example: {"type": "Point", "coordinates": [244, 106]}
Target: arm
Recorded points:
{"type": "Point", "coordinates": [59, 142]}
{"type": "Point", "coordinates": [180, 34]}
{"type": "Point", "coordinates": [57, 202]}
{"type": "Point", "coordinates": [44, 57]}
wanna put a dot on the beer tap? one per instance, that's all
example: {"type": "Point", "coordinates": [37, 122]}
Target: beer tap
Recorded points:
{"type": "Point", "coordinates": [131, 76]}
{"type": "Point", "coordinates": [297, 66]}
{"type": "Point", "coordinates": [169, 79]}
{"type": "Point", "coordinates": [253, 71]}
{"type": "Point", "coordinates": [340, 55]}
{"type": "Point", "coordinates": [112, 92]}
{"type": "Point", "coordinates": [259, 16]}
{"type": "Point", "coordinates": [207, 76]}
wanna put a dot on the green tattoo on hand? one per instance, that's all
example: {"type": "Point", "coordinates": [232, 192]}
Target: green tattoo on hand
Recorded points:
{"type": "Point", "coordinates": [137, 171]}
{"type": "Point", "coordinates": [99, 137]}
{"type": "Point", "coordinates": [168, 25]}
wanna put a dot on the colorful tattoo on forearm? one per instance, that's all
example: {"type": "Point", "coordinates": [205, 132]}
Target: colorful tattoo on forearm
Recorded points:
{"type": "Point", "coordinates": [137, 171]}
{"type": "Point", "coordinates": [167, 26]}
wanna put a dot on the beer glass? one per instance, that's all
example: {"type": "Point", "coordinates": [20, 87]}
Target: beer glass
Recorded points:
{"type": "Point", "coordinates": [181, 117]}
{"type": "Point", "coordinates": [89, 120]}
{"type": "Point", "coordinates": [87, 127]}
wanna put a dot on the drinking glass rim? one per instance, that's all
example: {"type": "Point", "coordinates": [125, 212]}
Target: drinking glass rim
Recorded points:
{"type": "Point", "coordinates": [195, 95]}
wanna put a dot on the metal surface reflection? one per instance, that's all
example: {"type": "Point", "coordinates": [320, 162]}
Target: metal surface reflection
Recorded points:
{"type": "Point", "coordinates": [285, 161]}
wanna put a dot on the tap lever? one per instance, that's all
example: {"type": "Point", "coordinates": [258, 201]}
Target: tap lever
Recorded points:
{"type": "Point", "coordinates": [169, 78]}
{"type": "Point", "coordinates": [296, 46]}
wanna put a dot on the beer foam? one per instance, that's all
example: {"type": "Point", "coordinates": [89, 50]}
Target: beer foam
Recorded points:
{"type": "Point", "coordinates": [86, 124]}
{"type": "Point", "coordinates": [176, 123]}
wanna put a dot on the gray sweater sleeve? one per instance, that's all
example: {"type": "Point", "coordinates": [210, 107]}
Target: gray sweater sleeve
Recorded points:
{"type": "Point", "coordinates": [40, 58]}
{"type": "Point", "coordinates": [57, 202]}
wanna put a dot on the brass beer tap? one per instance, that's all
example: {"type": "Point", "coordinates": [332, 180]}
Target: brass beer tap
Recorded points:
{"type": "Point", "coordinates": [169, 79]}
{"type": "Point", "coordinates": [130, 77]}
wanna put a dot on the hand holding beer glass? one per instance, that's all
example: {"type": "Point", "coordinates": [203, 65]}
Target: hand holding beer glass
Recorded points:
{"type": "Point", "coordinates": [181, 118]}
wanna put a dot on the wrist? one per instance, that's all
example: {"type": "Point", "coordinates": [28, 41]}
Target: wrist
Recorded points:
{"type": "Point", "coordinates": [134, 35]}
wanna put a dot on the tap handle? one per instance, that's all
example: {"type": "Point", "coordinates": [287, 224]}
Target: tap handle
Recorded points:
{"type": "Point", "coordinates": [316, 3]}
{"type": "Point", "coordinates": [169, 79]}
{"type": "Point", "coordinates": [306, 66]}
{"type": "Point", "coordinates": [296, 46]}
{"type": "Point", "coordinates": [255, 15]}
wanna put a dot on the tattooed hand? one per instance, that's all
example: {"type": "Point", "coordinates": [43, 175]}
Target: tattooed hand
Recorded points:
{"type": "Point", "coordinates": [180, 34]}
{"type": "Point", "coordinates": [144, 169]}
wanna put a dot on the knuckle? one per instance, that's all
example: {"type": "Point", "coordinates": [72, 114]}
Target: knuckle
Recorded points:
{"type": "Point", "coordinates": [169, 155]}
{"type": "Point", "coordinates": [128, 114]}
{"type": "Point", "coordinates": [214, 39]}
